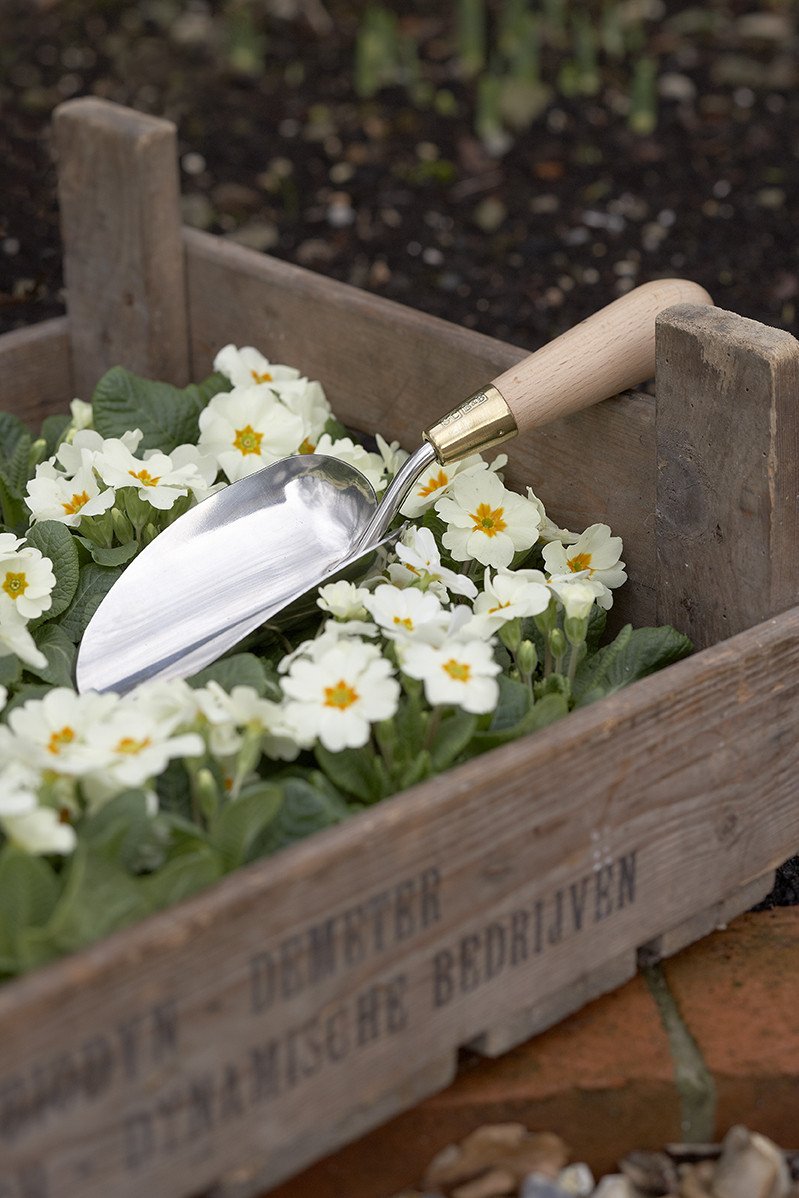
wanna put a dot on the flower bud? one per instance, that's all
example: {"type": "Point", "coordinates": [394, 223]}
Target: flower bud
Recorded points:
{"type": "Point", "coordinates": [149, 534]}
{"type": "Point", "coordinates": [123, 529]}
{"type": "Point", "coordinates": [527, 658]}
{"type": "Point", "coordinates": [575, 628]}
{"type": "Point", "coordinates": [511, 635]}
{"type": "Point", "coordinates": [557, 642]}
{"type": "Point", "coordinates": [545, 620]}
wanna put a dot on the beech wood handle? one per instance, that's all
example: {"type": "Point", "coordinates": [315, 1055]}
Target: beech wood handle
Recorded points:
{"type": "Point", "coordinates": [608, 352]}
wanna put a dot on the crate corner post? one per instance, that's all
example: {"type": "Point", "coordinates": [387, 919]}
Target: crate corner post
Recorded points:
{"type": "Point", "coordinates": [728, 472]}
{"type": "Point", "coordinates": [119, 196]}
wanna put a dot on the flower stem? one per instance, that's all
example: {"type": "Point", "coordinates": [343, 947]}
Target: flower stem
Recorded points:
{"type": "Point", "coordinates": [433, 722]}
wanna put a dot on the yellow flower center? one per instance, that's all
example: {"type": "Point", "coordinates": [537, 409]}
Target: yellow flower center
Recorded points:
{"type": "Point", "coordinates": [342, 695]}
{"type": "Point", "coordinates": [129, 744]}
{"type": "Point", "coordinates": [145, 477]}
{"type": "Point", "coordinates": [64, 736]}
{"type": "Point", "coordinates": [459, 671]}
{"type": "Point", "coordinates": [261, 378]}
{"type": "Point", "coordinates": [15, 584]}
{"type": "Point", "coordinates": [488, 520]}
{"type": "Point", "coordinates": [307, 446]}
{"type": "Point", "coordinates": [498, 607]}
{"type": "Point", "coordinates": [434, 482]}
{"type": "Point", "coordinates": [76, 503]}
{"type": "Point", "coordinates": [580, 561]}
{"type": "Point", "coordinates": [404, 622]}
{"type": "Point", "coordinates": [247, 440]}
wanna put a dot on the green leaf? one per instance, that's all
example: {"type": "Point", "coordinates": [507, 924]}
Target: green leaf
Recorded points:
{"type": "Point", "coordinates": [98, 897]}
{"type": "Point", "coordinates": [125, 831]}
{"type": "Point", "coordinates": [60, 653]}
{"type": "Point", "coordinates": [634, 654]}
{"type": "Point", "coordinates": [306, 808]}
{"type": "Point", "coordinates": [548, 709]}
{"type": "Point", "coordinates": [242, 669]}
{"type": "Point", "coordinates": [25, 694]}
{"type": "Point", "coordinates": [29, 889]}
{"type": "Point", "coordinates": [452, 737]}
{"type": "Point", "coordinates": [56, 542]}
{"type": "Point", "coordinates": [166, 415]}
{"type": "Point", "coordinates": [15, 468]}
{"type": "Point", "coordinates": [513, 704]}
{"type": "Point", "coordinates": [53, 429]}
{"type": "Point", "coordinates": [215, 384]}
{"type": "Point", "coordinates": [355, 771]}
{"type": "Point", "coordinates": [119, 555]}
{"type": "Point", "coordinates": [174, 790]}
{"type": "Point", "coordinates": [237, 826]}
{"type": "Point", "coordinates": [12, 430]}
{"type": "Point", "coordinates": [181, 877]}
{"type": "Point", "coordinates": [94, 584]}
{"type": "Point", "coordinates": [597, 619]}
{"type": "Point", "coordinates": [10, 669]}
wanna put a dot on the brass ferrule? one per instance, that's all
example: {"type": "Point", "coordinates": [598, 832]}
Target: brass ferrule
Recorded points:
{"type": "Point", "coordinates": [482, 420]}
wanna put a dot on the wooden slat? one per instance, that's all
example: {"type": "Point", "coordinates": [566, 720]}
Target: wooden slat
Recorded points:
{"type": "Point", "coordinates": [389, 368]}
{"type": "Point", "coordinates": [728, 459]}
{"type": "Point", "coordinates": [708, 920]}
{"type": "Point", "coordinates": [35, 375]}
{"type": "Point", "coordinates": [143, 1064]}
{"type": "Point", "coordinates": [118, 190]}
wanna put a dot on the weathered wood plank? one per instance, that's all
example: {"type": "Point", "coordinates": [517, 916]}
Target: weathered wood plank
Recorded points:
{"type": "Point", "coordinates": [391, 368]}
{"type": "Point", "coordinates": [35, 373]}
{"type": "Point", "coordinates": [728, 461]}
{"type": "Point", "coordinates": [118, 191]}
{"type": "Point", "coordinates": [322, 980]}
{"type": "Point", "coordinates": [708, 920]}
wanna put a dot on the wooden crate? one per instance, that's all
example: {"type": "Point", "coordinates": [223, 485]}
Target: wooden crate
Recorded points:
{"type": "Point", "coordinates": [223, 1045]}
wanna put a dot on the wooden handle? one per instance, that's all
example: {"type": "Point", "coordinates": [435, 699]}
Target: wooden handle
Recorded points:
{"type": "Point", "coordinates": [609, 352]}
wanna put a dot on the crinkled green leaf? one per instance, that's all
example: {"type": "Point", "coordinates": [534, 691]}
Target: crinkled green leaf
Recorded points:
{"type": "Point", "coordinates": [166, 415]}
{"type": "Point", "coordinates": [238, 824]}
{"type": "Point", "coordinates": [53, 429]}
{"type": "Point", "coordinates": [118, 555]}
{"type": "Point", "coordinates": [10, 669]}
{"type": "Point", "coordinates": [125, 830]}
{"type": "Point", "coordinates": [544, 712]}
{"type": "Point", "coordinates": [25, 694]}
{"type": "Point", "coordinates": [634, 654]}
{"type": "Point", "coordinates": [512, 705]}
{"type": "Point", "coordinates": [56, 542]}
{"type": "Point", "coordinates": [60, 653]}
{"type": "Point", "coordinates": [215, 384]}
{"type": "Point", "coordinates": [242, 669]}
{"type": "Point", "coordinates": [306, 808]}
{"type": "Point", "coordinates": [182, 877]}
{"type": "Point", "coordinates": [94, 584]}
{"type": "Point", "coordinates": [15, 467]}
{"type": "Point", "coordinates": [12, 430]}
{"type": "Point", "coordinates": [357, 772]}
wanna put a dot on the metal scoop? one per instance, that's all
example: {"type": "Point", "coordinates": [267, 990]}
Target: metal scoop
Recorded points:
{"type": "Point", "coordinates": [265, 544]}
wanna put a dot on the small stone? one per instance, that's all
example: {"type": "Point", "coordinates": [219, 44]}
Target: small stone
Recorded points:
{"type": "Point", "coordinates": [765, 26]}
{"type": "Point", "coordinates": [489, 214]}
{"type": "Point", "coordinates": [771, 197]}
{"type": "Point", "coordinates": [674, 86]}
{"type": "Point", "coordinates": [537, 1185]}
{"type": "Point", "coordinates": [506, 1147]}
{"type": "Point", "coordinates": [234, 198]}
{"type": "Point", "coordinates": [577, 1179]}
{"type": "Point", "coordinates": [692, 1184]}
{"type": "Point", "coordinates": [256, 235]}
{"type": "Point", "coordinates": [615, 1185]}
{"type": "Point", "coordinates": [651, 1172]}
{"type": "Point", "coordinates": [340, 212]}
{"type": "Point", "coordinates": [750, 1166]}
{"type": "Point", "coordinates": [497, 1183]}
{"type": "Point", "coordinates": [314, 250]}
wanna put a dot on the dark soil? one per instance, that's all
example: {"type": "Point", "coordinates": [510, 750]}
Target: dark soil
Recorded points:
{"type": "Point", "coordinates": [396, 193]}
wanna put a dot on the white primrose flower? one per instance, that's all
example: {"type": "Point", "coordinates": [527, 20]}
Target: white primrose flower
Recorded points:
{"type": "Point", "coordinates": [171, 701]}
{"type": "Point", "coordinates": [262, 717]}
{"type": "Point", "coordinates": [404, 613]}
{"type": "Point", "coordinates": [337, 695]}
{"type": "Point", "coordinates": [344, 600]}
{"type": "Point", "coordinates": [86, 445]}
{"type": "Point", "coordinates": [15, 638]}
{"type": "Point", "coordinates": [51, 495]}
{"type": "Point", "coordinates": [39, 831]}
{"type": "Point", "coordinates": [486, 521]}
{"type": "Point", "coordinates": [157, 480]}
{"type": "Point", "coordinates": [247, 367]}
{"type": "Point", "coordinates": [19, 786]}
{"type": "Point", "coordinates": [509, 595]}
{"type": "Point", "coordinates": [459, 673]}
{"type": "Point", "coordinates": [26, 581]}
{"type": "Point", "coordinates": [547, 529]}
{"type": "Point", "coordinates": [307, 400]}
{"type": "Point", "coordinates": [57, 732]}
{"type": "Point", "coordinates": [137, 746]}
{"type": "Point", "coordinates": [248, 429]}
{"type": "Point", "coordinates": [205, 468]}
{"type": "Point", "coordinates": [393, 455]}
{"type": "Point", "coordinates": [346, 450]}
{"type": "Point", "coordinates": [595, 555]}
{"type": "Point", "coordinates": [420, 560]}
{"type": "Point", "coordinates": [435, 482]}
{"type": "Point", "coordinates": [577, 597]}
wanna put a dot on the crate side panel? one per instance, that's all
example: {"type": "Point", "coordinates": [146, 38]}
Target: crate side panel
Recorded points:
{"type": "Point", "coordinates": [312, 986]}
{"type": "Point", "coordinates": [390, 368]}
{"type": "Point", "coordinates": [35, 373]}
